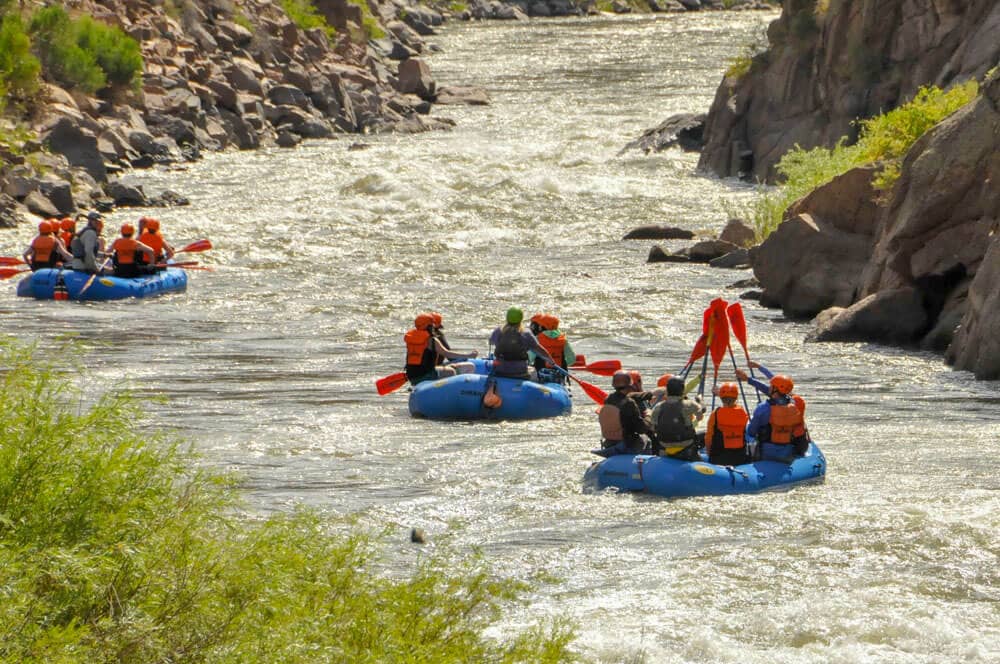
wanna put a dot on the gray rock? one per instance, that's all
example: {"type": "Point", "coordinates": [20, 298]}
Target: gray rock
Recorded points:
{"type": "Point", "coordinates": [739, 233]}
{"type": "Point", "coordinates": [288, 95]}
{"type": "Point", "coordinates": [708, 250]}
{"type": "Point", "coordinates": [37, 203]}
{"type": "Point", "coordinates": [59, 192]}
{"type": "Point", "coordinates": [78, 145]}
{"type": "Point", "coordinates": [168, 198]}
{"type": "Point", "coordinates": [415, 78]}
{"type": "Point", "coordinates": [893, 316]}
{"type": "Point", "coordinates": [9, 215]}
{"type": "Point", "coordinates": [737, 259]}
{"type": "Point", "coordinates": [287, 138]}
{"type": "Point", "coordinates": [683, 130]}
{"type": "Point", "coordinates": [658, 255]}
{"type": "Point", "coordinates": [449, 95]}
{"type": "Point", "coordinates": [126, 195]}
{"type": "Point", "coordinates": [658, 233]}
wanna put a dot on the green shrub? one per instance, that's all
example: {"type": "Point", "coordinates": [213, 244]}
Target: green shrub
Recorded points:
{"type": "Point", "coordinates": [84, 53]}
{"type": "Point", "coordinates": [115, 547]}
{"type": "Point", "coordinates": [739, 66]}
{"type": "Point", "coordinates": [19, 69]}
{"type": "Point", "coordinates": [884, 140]}
{"type": "Point", "coordinates": [304, 14]}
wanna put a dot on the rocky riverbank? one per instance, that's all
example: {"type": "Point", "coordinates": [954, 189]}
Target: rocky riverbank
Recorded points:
{"type": "Point", "coordinates": [222, 75]}
{"type": "Point", "coordinates": [918, 265]}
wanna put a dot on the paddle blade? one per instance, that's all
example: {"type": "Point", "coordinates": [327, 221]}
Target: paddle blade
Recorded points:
{"type": "Point", "coordinates": [738, 323]}
{"type": "Point", "coordinates": [720, 332]}
{"type": "Point", "coordinates": [592, 391]}
{"type": "Point", "coordinates": [10, 260]}
{"type": "Point", "coordinates": [580, 361]}
{"type": "Point", "coordinates": [390, 383]}
{"type": "Point", "coordinates": [8, 272]}
{"type": "Point", "coordinates": [197, 245]}
{"type": "Point", "coordinates": [603, 367]}
{"type": "Point", "coordinates": [698, 352]}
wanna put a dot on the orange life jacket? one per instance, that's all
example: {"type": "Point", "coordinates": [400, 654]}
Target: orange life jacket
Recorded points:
{"type": "Point", "coordinates": [730, 423]}
{"type": "Point", "coordinates": [554, 347]}
{"type": "Point", "coordinates": [416, 345]}
{"type": "Point", "coordinates": [66, 237]}
{"type": "Point", "coordinates": [155, 242]}
{"type": "Point", "coordinates": [786, 421]}
{"type": "Point", "coordinates": [125, 250]}
{"type": "Point", "coordinates": [44, 246]}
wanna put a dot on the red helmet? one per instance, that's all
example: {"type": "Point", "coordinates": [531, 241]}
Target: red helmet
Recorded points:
{"type": "Point", "coordinates": [538, 318]}
{"type": "Point", "coordinates": [423, 321]}
{"type": "Point", "coordinates": [44, 227]}
{"type": "Point", "coordinates": [729, 391]}
{"type": "Point", "coordinates": [67, 224]}
{"type": "Point", "coordinates": [436, 317]}
{"type": "Point", "coordinates": [636, 378]}
{"type": "Point", "coordinates": [128, 229]}
{"type": "Point", "coordinates": [662, 382]}
{"type": "Point", "coordinates": [550, 322]}
{"type": "Point", "coordinates": [782, 384]}
{"type": "Point", "coordinates": [152, 224]}
{"type": "Point", "coordinates": [621, 379]}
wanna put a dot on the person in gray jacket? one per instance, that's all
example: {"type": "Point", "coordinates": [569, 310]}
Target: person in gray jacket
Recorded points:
{"type": "Point", "coordinates": [87, 246]}
{"type": "Point", "coordinates": [674, 419]}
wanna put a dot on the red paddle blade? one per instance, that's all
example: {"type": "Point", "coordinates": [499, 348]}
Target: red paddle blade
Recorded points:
{"type": "Point", "coordinates": [390, 383]}
{"type": "Point", "coordinates": [698, 352]}
{"type": "Point", "coordinates": [738, 323]}
{"type": "Point", "coordinates": [580, 361]}
{"type": "Point", "coordinates": [593, 391]}
{"type": "Point", "coordinates": [10, 260]}
{"type": "Point", "coordinates": [720, 332]}
{"type": "Point", "coordinates": [604, 367]}
{"type": "Point", "coordinates": [8, 272]}
{"type": "Point", "coordinates": [197, 245]}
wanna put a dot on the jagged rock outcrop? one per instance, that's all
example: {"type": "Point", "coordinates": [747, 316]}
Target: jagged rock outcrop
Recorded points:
{"type": "Point", "coordinates": [683, 130]}
{"type": "Point", "coordinates": [823, 69]}
{"type": "Point", "coordinates": [935, 243]}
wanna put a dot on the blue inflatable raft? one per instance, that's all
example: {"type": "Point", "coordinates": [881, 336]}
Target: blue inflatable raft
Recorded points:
{"type": "Point", "coordinates": [42, 285]}
{"type": "Point", "coordinates": [674, 478]}
{"type": "Point", "coordinates": [461, 398]}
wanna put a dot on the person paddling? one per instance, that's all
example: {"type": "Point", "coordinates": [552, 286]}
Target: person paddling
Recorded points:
{"type": "Point", "coordinates": [545, 327]}
{"type": "Point", "coordinates": [423, 349]}
{"type": "Point", "coordinates": [45, 249]}
{"type": "Point", "coordinates": [724, 435]}
{"type": "Point", "coordinates": [125, 253]}
{"type": "Point", "coordinates": [778, 423]}
{"type": "Point", "coordinates": [512, 343]}
{"type": "Point", "coordinates": [622, 424]}
{"type": "Point", "coordinates": [150, 236]}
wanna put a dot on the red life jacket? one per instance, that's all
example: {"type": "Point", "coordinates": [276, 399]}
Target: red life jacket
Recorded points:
{"type": "Point", "coordinates": [730, 423]}
{"type": "Point", "coordinates": [124, 249]}
{"type": "Point", "coordinates": [785, 422]}
{"type": "Point", "coordinates": [66, 237]}
{"type": "Point", "coordinates": [45, 248]}
{"type": "Point", "coordinates": [555, 347]}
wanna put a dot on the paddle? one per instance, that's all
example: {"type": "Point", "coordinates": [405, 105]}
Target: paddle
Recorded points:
{"type": "Point", "coordinates": [593, 391]}
{"type": "Point", "coordinates": [600, 367]}
{"type": "Point", "coordinates": [8, 272]}
{"type": "Point", "coordinates": [739, 325]}
{"type": "Point", "coordinates": [197, 245]}
{"type": "Point", "coordinates": [11, 260]}
{"type": "Point", "coordinates": [100, 269]}
{"type": "Point", "coordinates": [719, 341]}
{"type": "Point", "coordinates": [738, 381]}
{"type": "Point", "coordinates": [390, 383]}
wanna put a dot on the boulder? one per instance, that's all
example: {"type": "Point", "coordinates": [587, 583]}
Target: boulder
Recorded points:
{"type": "Point", "coordinates": [288, 95]}
{"type": "Point", "coordinates": [683, 130]}
{"type": "Point", "coordinates": [287, 138]}
{"type": "Point", "coordinates": [450, 95]}
{"type": "Point", "coordinates": [848, 202]}
{"type": "Point", "coordinates": [658, 255]}
{"type": "Point", "coordinates": [59, 192]}
{"type": "Point", "coordinates": [37, 203]}
{"type": "Point", "coordinates": [708, 250]}
{"type": "Point", "coordinates": [126, 195]}
{"type": "Point", "coordinates": [737, 259]}
{"type": "Point", "coordinates": [9, 215]}
{"type": "Point", "coordinates": [892, 317]}
{"type": "Point", "coordinates": [77, 144]}
{"type": "Point", "coordinates": [976, 346]}
{"type": "Point", "coordinates": [806, 266]}
{"type": "Point", "coordinates": [658, 233]}
{"type": "Point", "coordinates": [415, 78]}
{"type": "Point", "coordinates": [168, 198]}
{"type": "Point", "coordinates": [739, 233]}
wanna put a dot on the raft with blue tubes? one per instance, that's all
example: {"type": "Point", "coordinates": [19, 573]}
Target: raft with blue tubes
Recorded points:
{"type": "Point", "coordinates": [461, 397]}
{"type": "Point", "coordinates": [675, 478]}
{"type": "Point", "coordinates": [42, 285]}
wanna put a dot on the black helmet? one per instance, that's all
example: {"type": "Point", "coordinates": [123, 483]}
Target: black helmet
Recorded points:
{"type": "Point", "coordinates": [675, 387]}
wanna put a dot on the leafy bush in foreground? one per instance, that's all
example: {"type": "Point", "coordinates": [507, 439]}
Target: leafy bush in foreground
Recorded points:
{"type": "Point", "coordinates": [114, 547]}
{"type": "Point", "coordinates": [884, 140]}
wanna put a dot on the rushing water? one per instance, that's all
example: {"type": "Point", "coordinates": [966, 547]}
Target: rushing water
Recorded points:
{"type": "Point", "coordinates": [323, 255]}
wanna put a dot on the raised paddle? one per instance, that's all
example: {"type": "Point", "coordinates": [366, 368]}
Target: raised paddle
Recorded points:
{"type": "Point", "coordinates": [739, 326]}
{"type": "Point", "coordinates": [720, 340]}
{"type": "Point", "coordinates": [11, 260]}
{"type": "Point", "coordinates": [390, 383]}
{"type": "Point", "coordinates": [100, 269]}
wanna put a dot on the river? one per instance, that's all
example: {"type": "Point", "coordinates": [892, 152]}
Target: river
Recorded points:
{"type": "Point", "coordinates": [324, 254]}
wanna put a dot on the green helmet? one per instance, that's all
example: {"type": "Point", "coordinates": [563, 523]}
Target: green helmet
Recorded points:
{"type": "Point", "coordinates": [514, 316]}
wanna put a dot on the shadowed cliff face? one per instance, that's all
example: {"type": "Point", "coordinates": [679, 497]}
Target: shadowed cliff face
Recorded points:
{"type": "Point", "coordinates": [825, 68]}
{"type": "Point", "coordinates": [924, 269]}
